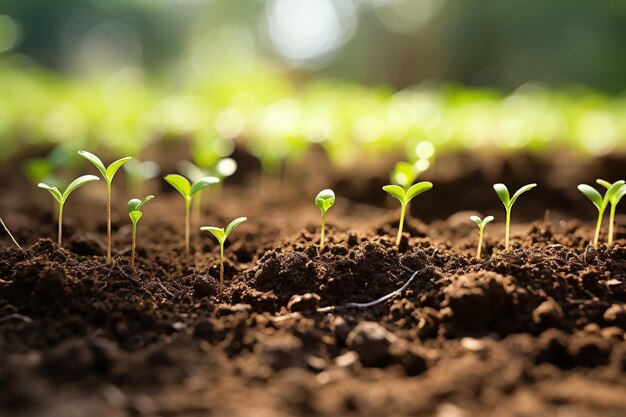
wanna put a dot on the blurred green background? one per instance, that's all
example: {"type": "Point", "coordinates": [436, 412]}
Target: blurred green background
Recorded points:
{"type": "Point", "coordinates": [355, 76]}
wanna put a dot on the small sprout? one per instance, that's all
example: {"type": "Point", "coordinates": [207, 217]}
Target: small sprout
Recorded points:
{"type": "Point", "coordinates": [503, 195]}
{"type": "Point", "coordinates": [107, 174]}
{"type": "Point", "coordinates": [221, 235]}
{"type": "Point", "coordinates": [613, 195]}
{"type": "Point", "coordinates": [134, 212]}
{"type": "Point", "coordinates": [403, 174]}
{"type": "Point", "coordinates": [481, 223]}
{"type": "Point", "coordinates": [405, 196]}
{"type": "Point", "coordinates": [324, 200]}
{"type": "Point", "coordinates": [62, 197]}
{"type": "Point", "coordinates": [188, 191]}
{"type": "Point", "coordinates": [614, 199]}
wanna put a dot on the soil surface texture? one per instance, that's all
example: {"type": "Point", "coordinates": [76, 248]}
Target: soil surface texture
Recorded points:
{"type": "Point", "coordinates": [538, 330]}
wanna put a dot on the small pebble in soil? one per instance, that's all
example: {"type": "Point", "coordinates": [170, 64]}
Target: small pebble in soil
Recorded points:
{"type": "Point", "coordinates": [372, 342]}
{"type": "Point", "coordinates": [305, 303]}
{"type": "Point", "coordinates": [616, 315]}
{"type": "Point", "coordinates": [548, 314]}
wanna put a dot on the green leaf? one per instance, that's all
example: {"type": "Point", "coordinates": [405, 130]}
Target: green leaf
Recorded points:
{"type": "Point", "coordinates": [325, 199]}
{"type": "Point", "coordinates": [604, 183]}
{"type": "Point", "coordinates": [521, 191]}
{"type": "Point", "coordinates": [133, 205]}
{"type": "Point", "coordinates": [203, 183]}
{"type": "Point", "coordinates": [94, 160]}
{"type": "Point", "coordinates": [592, 194]}
{"type": "Point", "coordinates": [417, 189]}
{"type": "Point", "coordinates": [403, 174]}
{"type": "Point", "coordinates": [112, 169]}
{"type": "Point", "coordinates": [487, 220]}
{"type": "Point", "coordinates": [218, 232]}
{"type": "Point", "coordinates": [53, 190]}
{"type": "Point", "coordinates": [476, 220]}
{"type": "Point", "coordinates": [503, 194]}
{"type": "Point", "coordinates": [613, 189]}
{"type": "Point", "coordinates": [77, 183]}
{"type": "Point", "coordinates": [619, 194]}
{"type": "Point", "coordinates": [181, 184]}
{"type": "Point", "coordinates": [396, 191]}
{"type": "Point", "coordinates": [136, 204]}
{"type": "Point", "coordinates": [234, 224]}
{"type": "Point", "coordinates": [135, 216]}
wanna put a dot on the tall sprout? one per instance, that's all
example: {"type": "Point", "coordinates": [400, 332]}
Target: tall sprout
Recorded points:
{"type": "Point", "coordinates": [601, 203]}
{"type": "Point", "coordinates": [503, 195]}
{"type": "Point", "coordinates": [107, 174]}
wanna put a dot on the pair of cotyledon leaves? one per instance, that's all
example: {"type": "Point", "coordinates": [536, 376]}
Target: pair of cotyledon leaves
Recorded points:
{"type": "Point", "coordinates": [134, 208]}
{"type": "Point", "coordinates": [187, 189]}
{"type": "Point", "coordinates": [220, 233]}
{"type": "Point", "coordinates": [614, 193]}
{"type": "Point", "coordinates": [407, 195]}
{"type": "Point", "coordinates": [107, 173]}
{"type": "Point", "coordinates": [325, 199]}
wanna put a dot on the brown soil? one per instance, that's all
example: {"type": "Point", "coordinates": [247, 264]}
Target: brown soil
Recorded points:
{"type": "Point", "coordinates": [535, 331]}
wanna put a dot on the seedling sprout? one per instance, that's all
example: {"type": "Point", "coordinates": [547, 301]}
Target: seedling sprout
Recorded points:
{"type": "Point", "coordinates": [324, 200]}
{"type": "Point", "coordinates": [188, 191]}
{"type": "Point", "coordinates": [61, 198]}
{"type": "Point", "coordinates": [405, 196]}
{"type": "Point", "coordinates": [503, 195]}
{"type": "Point", "coordinates": [481, 223]}
{"type": "Point", "coordinates": [613, 193]}
{"type": "Point", "coordinates": [134, 212]}
{"type": "Point", "coordinates": [221, 235]}
{"type": "Point", "coordinates": [107, 174]}
{"type": "Point", "coordinates": [614, 200]}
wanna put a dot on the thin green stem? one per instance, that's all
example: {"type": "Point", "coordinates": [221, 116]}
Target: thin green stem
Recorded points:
{"type": "Point", "coordinates": [108, 222]}
{"type": "Point", "coordinates": [596, 237]}
{"type": "Point", "coordinates": [221, 267]}
{"type": "Point", "coordinates": [401, 225]}
{"type": "Point", "coordinates": [507, 228]}
{"type": "Point", "coordinates": [132, 254]}
{"type": "Point", "coordinates": [60, 232]}
{"type": "Point", "coordinates": [480, 243]}
{"type": "Point", "coordinates": [187, 209]}
{"type": "Point", "coordinates": [611, 223]}
{"type": "Point", "coordinates": [322, 231]}
{"type": "Point", "coordinates": [197, 208]}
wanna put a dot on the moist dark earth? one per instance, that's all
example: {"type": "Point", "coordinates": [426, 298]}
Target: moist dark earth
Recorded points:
{"type": "Point", "coordinates": [534, 331]}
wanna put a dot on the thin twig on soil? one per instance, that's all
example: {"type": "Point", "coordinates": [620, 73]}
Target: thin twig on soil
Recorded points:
{"type": "Point", "coordinates": [371, 303]}
{"type": "Point", "coordinates": [12, 238]}
{"type": "Point", "coordinates": [16, 316]}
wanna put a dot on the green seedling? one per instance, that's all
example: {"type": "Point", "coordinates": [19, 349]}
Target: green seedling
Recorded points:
{"type": "Point", "coordinates": [324, 200]}
{"type": "Point", "coordinates": [134, 212]}
{"type": "Point", "coordinates": [612, 195]}
{"type": "Point", "coordinates": [107, 174]}
{"type": "Point", "coordinates": [481, 223]}
{"type": "Point", "coordinates": [405, 196]}
{"type": "Point", "coordinates": [403, 174]}
{"type": "Point", "coordinates": [503, 195]}
{"type": "Point", "coordinates": [221, 235]}
{"type": "Point", "coordinates": [614, 200]}
{"type": "Point", "coordinates": [194, 173]}
{"type": "Point", "coordinates": [188, 191]}
{"type": "Point", "coordinates": [61, 197]}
